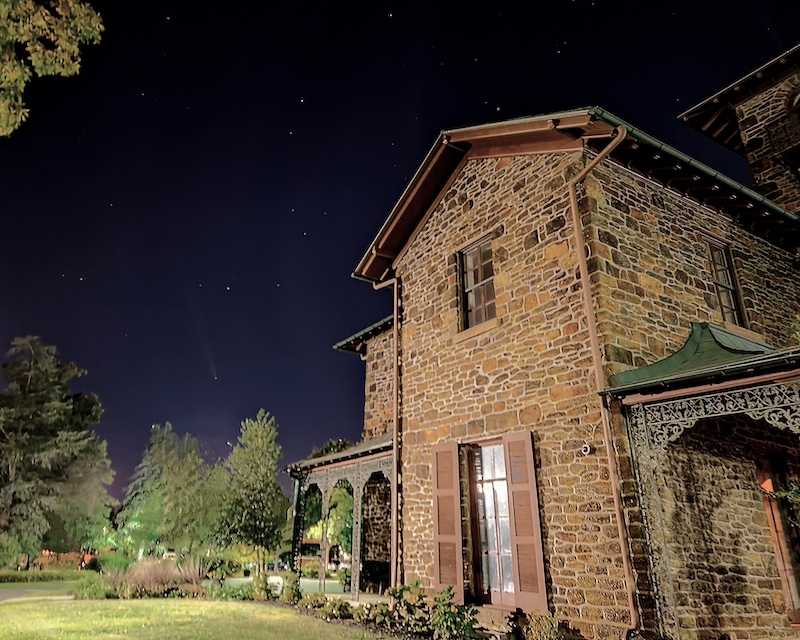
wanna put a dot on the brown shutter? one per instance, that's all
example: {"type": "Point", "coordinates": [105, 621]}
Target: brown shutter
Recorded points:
{"type": "Point", "coordinates": [526, 531]}
{"type": "Point", "coordinates": [447, 555]}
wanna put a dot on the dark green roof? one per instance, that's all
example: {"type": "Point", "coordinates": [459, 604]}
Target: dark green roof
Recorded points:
{"type": "Point", "coordinates": [710, 353]}
{"type": "Point", "coordinates": [355, 342]}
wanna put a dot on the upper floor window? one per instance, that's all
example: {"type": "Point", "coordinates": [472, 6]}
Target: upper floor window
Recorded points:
{"type": "Point", "coordinates": [477, 283]}
{"type": "Point", "coordinates": [725, 283]}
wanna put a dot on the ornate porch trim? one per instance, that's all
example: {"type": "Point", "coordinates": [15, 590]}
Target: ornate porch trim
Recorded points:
{"type": "Point", "coordinates": [357, 473]}
{"type": "Point", "coordinates": [653, 426]}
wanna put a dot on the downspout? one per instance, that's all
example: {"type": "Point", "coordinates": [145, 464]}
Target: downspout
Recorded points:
{"type": "Point", "coordinates": [395, 282]}
{"type": "Point", "coordinates": [591, 321]}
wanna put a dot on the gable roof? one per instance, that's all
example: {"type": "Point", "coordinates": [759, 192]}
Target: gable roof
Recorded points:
{"type": "Point", "coordinates": [591, 128]}
{"type": "Point", "coordinates": [716, 116]}
{"type": "Point", "coordinates": [711, 353]}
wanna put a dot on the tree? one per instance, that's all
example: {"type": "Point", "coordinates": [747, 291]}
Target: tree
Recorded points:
{"type": "Point", "coordinates": [254, 506]}
{"type": "Point", "coordinates": [45, 445]}
{"type": "Point", "coordinates": [42, 38]}
{"type": "Point", "coordinates": [174, 497]}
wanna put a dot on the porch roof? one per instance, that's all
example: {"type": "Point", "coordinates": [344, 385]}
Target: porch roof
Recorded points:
{"type": "Point", "coordinates": [356, 342]}
{"type": "Point", "coordinates": [362, 449]}
{"type": "Point", "coordinates": [711, 354]}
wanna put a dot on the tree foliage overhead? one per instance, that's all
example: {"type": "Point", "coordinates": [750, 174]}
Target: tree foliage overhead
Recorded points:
{"type": "Point", "coordinates": [42, 38]}
{"type": "Point", "coordinates": [254, 510]}
{"type": "Point", "coordinates": [51, 464]}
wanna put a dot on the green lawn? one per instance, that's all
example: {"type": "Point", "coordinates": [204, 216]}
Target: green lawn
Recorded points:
{"type": "Point", "coordinates": [167, 619]}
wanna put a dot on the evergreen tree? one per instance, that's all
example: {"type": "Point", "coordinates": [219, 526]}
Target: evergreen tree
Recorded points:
{"type": "Point", "coordinates": [45, 445]}
{"type": "Point", "coordinates": [254, 508]}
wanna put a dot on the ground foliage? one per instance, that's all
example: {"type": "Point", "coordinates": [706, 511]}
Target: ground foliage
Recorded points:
{"type": "Point", "coordinates": [41, 38]}
{"type": "Point", "coordinates": [53, 469]}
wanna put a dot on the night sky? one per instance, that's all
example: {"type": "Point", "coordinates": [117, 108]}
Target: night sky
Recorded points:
{"type": "Point", "coordinates": [182, 218]}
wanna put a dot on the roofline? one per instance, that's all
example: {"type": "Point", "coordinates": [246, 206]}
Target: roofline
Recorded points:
{"type": "Point", "coordinates": [452, 147]}
{"type": "Point", "coordinates": [790, 355]}
{"type": "Point", "coordinates": [372, 330]}
{"type": "Point", "coordinates": [641, 136]}
{"type": "Point", "coordinates": [742, 80]}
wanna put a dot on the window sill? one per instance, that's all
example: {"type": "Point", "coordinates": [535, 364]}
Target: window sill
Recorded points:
{"type": "Point", "coordinates": [477, 330]}
{"type": "Point", "coordinates": [745, 333]}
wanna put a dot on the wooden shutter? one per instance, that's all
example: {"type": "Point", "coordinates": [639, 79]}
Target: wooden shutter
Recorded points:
{"type": "Point", "coordinates": [526, 531]}
{"type": "Point", "coordinates": [447, 555]}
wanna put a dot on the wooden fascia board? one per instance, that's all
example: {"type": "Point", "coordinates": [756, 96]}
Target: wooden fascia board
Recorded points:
{"type": "Point", "coordinates": [414, 190]}
{"type": "Point", "coordinates": [435, 203]}
{"type": "Point", "coordinates": [532, 145]}
{"type": "Point", "coordinates": [475, 134]}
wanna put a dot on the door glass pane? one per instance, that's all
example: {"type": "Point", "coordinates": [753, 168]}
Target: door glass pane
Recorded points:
{"type": "Point", "coordinates": [494, 574]}
{"type": "Point", "coordinates": [501, 498]}
{"type": "Point", "coordinates": [508, 574]}
{"type": "Point", "coordinates": [491, 534]}
{"type": "Point", "coordinates": [504, 526]}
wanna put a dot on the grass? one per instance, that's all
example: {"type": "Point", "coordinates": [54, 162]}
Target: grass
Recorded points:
{"type": "Point", "coordinates": [165, 619]}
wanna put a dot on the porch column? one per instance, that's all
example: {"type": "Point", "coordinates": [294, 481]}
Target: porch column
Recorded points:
{"type": "Point", "coordinates": [323, 565]}
{"type": "Point", "coordinates": [298, 507]}
{"type": "Point", "coordinates": [355, 555]}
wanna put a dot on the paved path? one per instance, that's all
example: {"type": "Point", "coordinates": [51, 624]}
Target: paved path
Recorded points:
{"type": "Point", "coordinates": [36, 591]}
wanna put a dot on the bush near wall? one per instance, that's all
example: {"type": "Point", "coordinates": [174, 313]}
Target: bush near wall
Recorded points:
{"type": "Point", "coordinates": [40, 576]}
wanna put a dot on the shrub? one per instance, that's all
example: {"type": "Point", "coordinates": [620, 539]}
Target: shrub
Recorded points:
{"type": "Point", "coordinates": [310, 571]}
{"type": "Point", "coordinates": [192, 570]}
{"type": "Point", "coordinates": [225, 592]}
{"type": "Point", "coordinates": [40, 576]}
{"type": "Point", "coordinates": [537, 626]}
{"type": "Point", "coordinates": [411, 613]}
{"type": "Point", "coordinates": [93, 586]}
{"type": "Point", "coordinates": [262, 589]}
{"type": "Point", "coordinates": [452, 621]}
{"type": "Point", "coordinates": [291, 588]}
{"type": "Point", "coordinates": [336, 609]}
{"type": "Point", "coordinates": [147, 578]}
{"type": "Point", "coordinates": [112, 562]}
{"type": "Point", "coordinates": [345, 578]}
{"type": "Point", "coordinates": [378, 614]}
{"type": "Point", "coordinates": [312, 601]}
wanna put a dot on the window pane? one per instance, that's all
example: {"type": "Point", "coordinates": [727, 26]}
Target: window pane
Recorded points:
{"type": "Point", "coordinates": [501, 498]}
{"type": "Point", "coordinates": [505, 534]}
{"type": "Point", "coordinates": [494, 574]}
{"type": "Point", "coordinates": [486, 573]}
{"type": "Point", "coordinates": [484, 536]}
{"type": "Point", "coordinates": [491, 535]}
{"type": "Point", "coordinates": [499, 461]}
{"type": "Point", "coordinates": [488, 463]}
{"type": "Point", "coordinates": [508, 574]}
{"type": "Point", "coordinates": [489, 501]}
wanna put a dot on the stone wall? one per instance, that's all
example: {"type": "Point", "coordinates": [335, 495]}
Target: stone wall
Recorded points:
{"type": "Point", "coordinates": [376, 521]}
{"type": "Point", "coordinates": [529, 372]}
{"type": "Point", "coordinates": [757, 116]}
{"type": "Point", "coordinates": [378, 396]}
{"type": "Point", "coordinates": [722, 558]}
{"type": "Point", "coordinates": [651, 275]}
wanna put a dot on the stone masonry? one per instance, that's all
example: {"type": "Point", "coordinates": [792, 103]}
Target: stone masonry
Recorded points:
{"type": "Point", "coordinates": [378, 401]}
{"type": "Point", "coordinates": [722, 558]}
{"type": "Point", "coordinates": [761, 117]}
{"type": "Point", "coordinates": [531, 370]}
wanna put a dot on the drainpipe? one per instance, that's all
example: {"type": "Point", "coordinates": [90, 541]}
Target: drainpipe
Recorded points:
{"type": "Point", "coordinates": [591, 321]}
{"type": "Point", "coordinates": [395, 283]}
